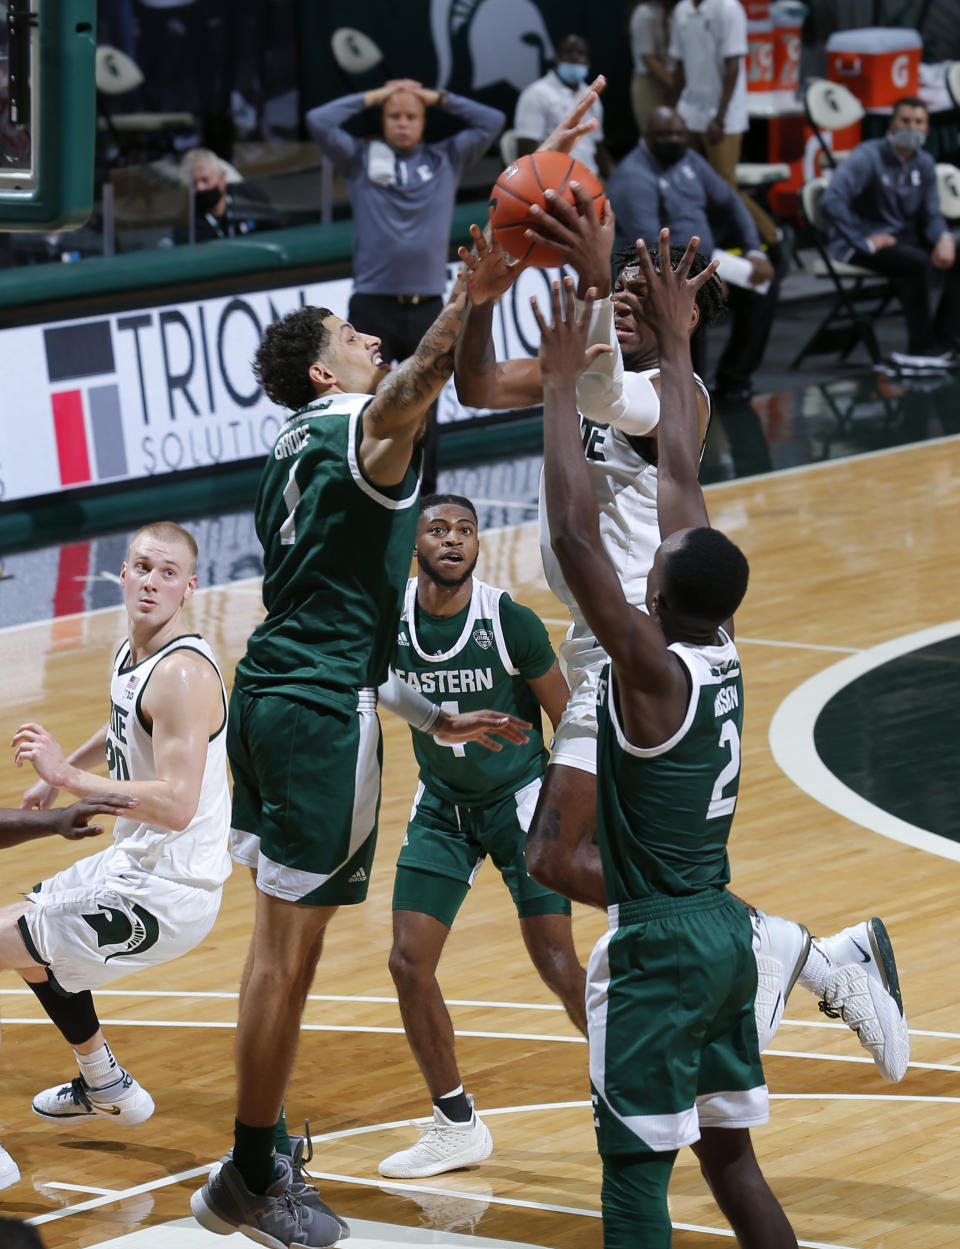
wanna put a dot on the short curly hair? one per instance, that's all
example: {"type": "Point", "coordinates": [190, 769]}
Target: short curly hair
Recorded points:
{"type": "Point", "coordinates": [705, 577]}
{"type": "Point", "coordinates": [284, 356]}
{"type": "Point", "coordinates": [710, 299]}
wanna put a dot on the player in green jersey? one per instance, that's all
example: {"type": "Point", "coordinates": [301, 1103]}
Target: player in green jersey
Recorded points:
{"type": "Point", "coordinates": [466, 645]}
{"type": "Point", "coordinates": [336, 514]}
{"type": "Point", "coordinates": [674, 1056]}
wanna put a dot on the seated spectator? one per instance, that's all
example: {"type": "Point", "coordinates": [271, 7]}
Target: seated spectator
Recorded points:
{"type": "Point", "coordinates": [543, 105]}
{"type": "Point", "coordinates": [661, 182]}
{"type": "Point", "coordinates": [883, 213]}
{"type": "Point", "coordinates": [403, 192]}
{"type": "Point", "coordinates": [652, 83]}
{"type": "Point", "coordinates": [220, 212]}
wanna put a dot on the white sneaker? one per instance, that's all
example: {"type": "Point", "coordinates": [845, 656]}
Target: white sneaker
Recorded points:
{"type": "Point", "coordinates": [124, 1100]}
{"type": "Point", "coordinates": [780, 947]}
{"type": "Point", "coordinates": [863, 990]}
{"type": "Point", "coordinates": [9, 1171]}
{"type": "Point", "coordinates": [443, 1146]}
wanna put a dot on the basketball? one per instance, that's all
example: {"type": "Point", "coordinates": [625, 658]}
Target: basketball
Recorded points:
{"type": "Point", "coordinates": [521, 185]}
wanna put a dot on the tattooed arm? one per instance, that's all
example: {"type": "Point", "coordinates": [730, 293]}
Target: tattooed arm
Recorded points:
{"type": "Point", "coordinates": [394, 420]}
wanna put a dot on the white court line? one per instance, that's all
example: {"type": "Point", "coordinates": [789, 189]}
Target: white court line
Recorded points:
{"type": "Point", "coordinates": [800, 646]}
{"type": "Point", "coordinates": [381, 1183]}
{"type": "Point", "coordinates": [791, 737]}
{"type": "Point", "coordinates": [233, 995]}
{"type": "Point", "coordinates": [369, 1030]}
{"type": "Point", "coordinates": [81, 1188]}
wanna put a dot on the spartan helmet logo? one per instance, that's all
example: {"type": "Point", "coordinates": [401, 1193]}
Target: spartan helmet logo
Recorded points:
{"type": "Point", "coordinates": [135, 932]}
{"type": "Point", "coordinates": [507, 39]}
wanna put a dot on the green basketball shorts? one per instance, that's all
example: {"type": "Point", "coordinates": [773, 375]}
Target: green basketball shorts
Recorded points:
{"type": "Point", "coordinates": [306, 796]}
{"type": "Point", "coordinates": [673, 1040]}
{"type": "Point", "coordinates": [445, 846]}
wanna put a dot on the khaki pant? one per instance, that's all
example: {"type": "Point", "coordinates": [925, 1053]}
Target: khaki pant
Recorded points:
{"type": "Point", "coordinates": [646, 94]}
{"type": "Point", "coordinates": [723, 157]}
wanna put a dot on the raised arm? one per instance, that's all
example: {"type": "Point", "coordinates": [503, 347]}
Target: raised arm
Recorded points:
{"type": "Point", "coordinates": [629, 637]}
{"type": "Point", "coordinates": [481, 380]}
{"type": "Point", "coordinates": [667, 307]}
{"type": "Point", "coordinates": [394, 419]}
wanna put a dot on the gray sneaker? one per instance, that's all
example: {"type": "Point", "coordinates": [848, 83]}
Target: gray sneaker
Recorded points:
{"type": "Point", "coordinates": [277, 1219]}
{"type": "Point", "coordinates": [304, 1192]}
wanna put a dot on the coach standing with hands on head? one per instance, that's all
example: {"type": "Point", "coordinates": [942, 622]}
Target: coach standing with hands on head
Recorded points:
{"type": "Point", "coordinates": [402, 191]}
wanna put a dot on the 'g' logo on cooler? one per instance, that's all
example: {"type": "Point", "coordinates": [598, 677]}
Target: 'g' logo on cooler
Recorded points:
{"type": "Point", "coordinates": [900, 71]}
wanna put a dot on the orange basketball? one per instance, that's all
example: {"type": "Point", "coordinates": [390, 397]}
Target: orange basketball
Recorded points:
{"type": "Point", "coordinates": [523, 184]}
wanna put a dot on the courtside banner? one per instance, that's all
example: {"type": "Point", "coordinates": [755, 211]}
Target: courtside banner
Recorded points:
{"type": "Point", "coordinates": [120, 397]}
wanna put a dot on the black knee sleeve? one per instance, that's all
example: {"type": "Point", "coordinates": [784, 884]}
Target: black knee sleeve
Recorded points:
{"type": "Point", "coordinates": [73, 1013]}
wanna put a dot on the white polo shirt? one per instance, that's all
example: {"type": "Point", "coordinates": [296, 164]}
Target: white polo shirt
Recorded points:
{"type": "Point", "coordinates": [702, 38]}
{"type": "Point", "coordinates": [544, 104]}
{"type": "Point", "coordinates": [648, 35]}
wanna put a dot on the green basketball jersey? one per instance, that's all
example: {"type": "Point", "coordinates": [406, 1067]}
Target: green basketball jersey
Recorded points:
{"type": "Point", "coordinates": [336, 553]}
{"type": "Point", "coordinates": [664, 815]}
{"type": "Point", "coordinates": [480, 658]}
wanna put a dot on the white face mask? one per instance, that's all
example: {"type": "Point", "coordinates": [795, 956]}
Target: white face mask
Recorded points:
{"type": "Point", "coordinates": [907, 140]}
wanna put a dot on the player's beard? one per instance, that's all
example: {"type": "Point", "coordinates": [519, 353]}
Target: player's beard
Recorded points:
{"type": "Point", "coordinates": [447, 580]}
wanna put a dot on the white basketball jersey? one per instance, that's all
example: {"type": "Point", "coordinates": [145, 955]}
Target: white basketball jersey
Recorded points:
{"type": "Point", "coordinates": [625, 489]}
{"type": "Point", "coordinates": [199, 854]}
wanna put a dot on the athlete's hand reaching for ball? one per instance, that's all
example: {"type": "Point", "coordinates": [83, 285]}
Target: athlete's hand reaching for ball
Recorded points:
{"type": "Point", "coordinates": [489, 270]}
{"type": "Point", "coordinates": [574, 231]}
{"type": "Point", "coordinates": [476, 726]}
{"type": "Point", "coordinates": [573, 127]}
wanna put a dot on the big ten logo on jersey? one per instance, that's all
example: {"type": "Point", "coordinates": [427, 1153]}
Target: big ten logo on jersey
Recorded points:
{"type": "Point", "coordinates": [601, 691]}
{"type": "Point", "coordinates": [116, 740]}
{"type": "Point", "coordinates": [593, 439]}
{"type": "Point", "coordinates": [727, 700]}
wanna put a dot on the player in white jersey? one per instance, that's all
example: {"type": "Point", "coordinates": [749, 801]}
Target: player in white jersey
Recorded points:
{"type": "Point", "coordinates": [618, 398]}
{"type": "Point", "coordinates": [155, 892]}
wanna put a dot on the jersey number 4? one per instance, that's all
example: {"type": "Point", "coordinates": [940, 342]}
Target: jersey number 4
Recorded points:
{"type": "Point", "coordinates": [729, 740]}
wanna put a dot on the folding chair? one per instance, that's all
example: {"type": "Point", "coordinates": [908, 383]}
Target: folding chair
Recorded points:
{"type": "Point", "coordinates": [116, 75]}
{"type": "Point", "coordinates": [953, 82]}
{"type": "Point", "coordinates": [829, 106]}
{"type": "Point", "coordinates": [508, 147]}
{"type": "Point", "coordinates": [948, 187]}
{"type": "Point", "coordinates": [848, 321]}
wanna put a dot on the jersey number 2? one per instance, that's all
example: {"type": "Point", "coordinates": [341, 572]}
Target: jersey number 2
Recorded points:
{"type": "Point", "coordinates": [729, 738]}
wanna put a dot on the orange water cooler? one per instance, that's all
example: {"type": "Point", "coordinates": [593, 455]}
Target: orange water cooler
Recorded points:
{"type": "Point", "coordinates": [877, 64]}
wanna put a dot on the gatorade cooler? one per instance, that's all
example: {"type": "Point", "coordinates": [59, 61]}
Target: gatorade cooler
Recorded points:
{"type": "Point", "coordinates": [787, 16]}
{"type": "Point", "coordinates": [878, 65]}
{"type": "Point", "coordinates": [760, 65]}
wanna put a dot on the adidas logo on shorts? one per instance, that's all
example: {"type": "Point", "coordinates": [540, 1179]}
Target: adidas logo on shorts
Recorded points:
{"type": "Point", "coordinates": [358, 877]}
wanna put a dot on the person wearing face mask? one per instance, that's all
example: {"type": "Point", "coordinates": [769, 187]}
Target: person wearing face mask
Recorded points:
{"type": "Point", "coordinates": [661, 182]}
{"type": "Point", "coordinates": [402, 192]}
{"type": "Point", "coordinates": [217, 214]}
{"type": "Point", "coordinates": [543, 104]}
{"type": "Point", "coordinates": [882, 213]}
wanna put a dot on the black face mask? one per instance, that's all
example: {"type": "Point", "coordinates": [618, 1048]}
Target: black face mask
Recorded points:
{"type": "Point", "coordinates": [207, 200]}
{"type": "Point", "coordinates": [668, 151]}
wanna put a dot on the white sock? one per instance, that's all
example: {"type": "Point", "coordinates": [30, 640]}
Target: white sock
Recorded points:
{"type": "Point", "coordinates": [813, 975]}
{"type": "Point", "coordinates": [100, 1068]}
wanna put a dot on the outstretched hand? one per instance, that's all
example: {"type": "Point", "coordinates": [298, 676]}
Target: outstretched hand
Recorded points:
{"type": "Point", "coordinates": [574, 231]}
{"type": "Point", "coordinates": [476, 726]}
{"type": "Point", "coordinates": [72, 822]}
{"type": "Point", "coordinates": [669, 295]}
{"type": "Point", "coordinates": [573, 127]}
{"type": "Point", "coordinates": [489, 270]}
{"type": "Point", "coordinates": [563, 344]}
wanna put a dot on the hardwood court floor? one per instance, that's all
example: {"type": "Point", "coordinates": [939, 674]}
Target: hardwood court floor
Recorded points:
{"type": "Point", "coordinates": [845, 556]}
